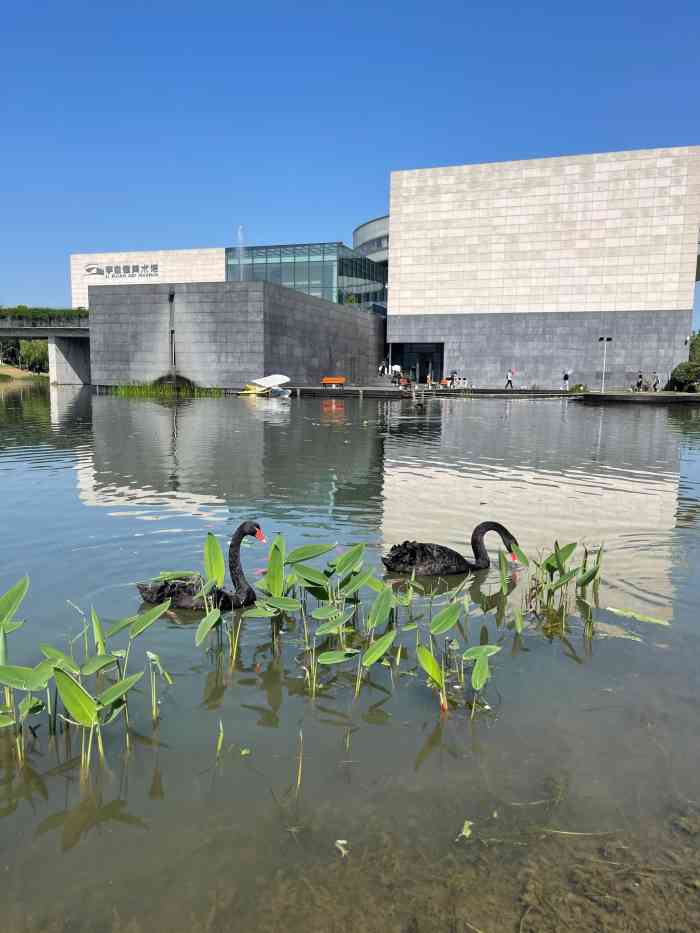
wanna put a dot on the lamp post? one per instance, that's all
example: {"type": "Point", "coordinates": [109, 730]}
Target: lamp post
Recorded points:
{"type": "Point", "coordinates": [605, 341]}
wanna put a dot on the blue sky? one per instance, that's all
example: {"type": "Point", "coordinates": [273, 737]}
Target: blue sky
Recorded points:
{"type": "Point", "coordinates": [156, 125]}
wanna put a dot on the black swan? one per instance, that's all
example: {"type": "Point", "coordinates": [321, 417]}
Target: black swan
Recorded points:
{"type": "Point", "coordinates": [187, 592]}
{"type": "Point", "coordinates": [431, 560]}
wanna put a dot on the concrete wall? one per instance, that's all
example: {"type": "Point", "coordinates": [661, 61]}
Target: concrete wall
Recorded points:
{"type": "Point", "coordinates": [611, 232]}
{"type": "Point", "coordinates": [69, 360]}
{"type": "Point", "coordinates": [307, 338]}
{"type": "Point", "coordinates": [129, 334]}
{"type": "Point", "coordinates": [227, 333]}
{"type": "Point", "coordinates": [219, 333]}
{"type": "Point", "coordinates": [540, 346]}
{"type": "Point", "coordinates": [138, 267]}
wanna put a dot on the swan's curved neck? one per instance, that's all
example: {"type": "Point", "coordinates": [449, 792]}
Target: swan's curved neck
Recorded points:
{"type": "Point", "coordinates": [234, 561]}
{"type": "Point", "coordinates": [481, 557]}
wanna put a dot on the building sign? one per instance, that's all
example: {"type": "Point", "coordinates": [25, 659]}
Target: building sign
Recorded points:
{"type": "Point", "coordinates": [125, 272]}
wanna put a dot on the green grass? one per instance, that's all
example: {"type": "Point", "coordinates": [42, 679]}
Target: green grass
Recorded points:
{"type": "Point", "coordinates": [164, 390]}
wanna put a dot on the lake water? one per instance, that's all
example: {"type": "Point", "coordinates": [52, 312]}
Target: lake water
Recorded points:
{"type": "Point", "coordinates": [581, 783]}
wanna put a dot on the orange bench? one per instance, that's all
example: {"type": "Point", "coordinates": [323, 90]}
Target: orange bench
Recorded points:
{"type": "Point", "coordinates": [332, 381]}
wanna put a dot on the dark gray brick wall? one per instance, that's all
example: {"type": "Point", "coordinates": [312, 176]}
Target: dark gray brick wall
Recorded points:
{"type": "Point", "coordinates": [540, 346]}
{"type": "Point", "coordinates": [227, 333]}
{"type": "Point", "coordinates": [307, 338]}
{"type": "Point", "coordinates": [129, 334]}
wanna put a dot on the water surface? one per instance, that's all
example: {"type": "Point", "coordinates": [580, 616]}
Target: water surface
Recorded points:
{"type": "Point", "coordinates": [584, 737]}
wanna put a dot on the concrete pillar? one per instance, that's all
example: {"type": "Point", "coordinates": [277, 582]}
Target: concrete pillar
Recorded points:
{"type": "Point", "coordinates": [69, 361]}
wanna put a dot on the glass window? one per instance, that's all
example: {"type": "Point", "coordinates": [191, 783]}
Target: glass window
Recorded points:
{"type": "Point", "coordinates": [274, 272]}
{"type": "Point", "coordinates": [301, 275]}
{"type": "Point", "coordinates": [287, 270]}
{"type": "Point", "coordinates": [315, 274]}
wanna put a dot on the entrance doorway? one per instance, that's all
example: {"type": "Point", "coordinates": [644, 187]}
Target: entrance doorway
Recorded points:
{"type": "Point", "coordinates": [420, 360]}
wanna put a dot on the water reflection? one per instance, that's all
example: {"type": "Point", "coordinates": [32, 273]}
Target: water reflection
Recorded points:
{"type": "Point", "coordinates": [584, 734]}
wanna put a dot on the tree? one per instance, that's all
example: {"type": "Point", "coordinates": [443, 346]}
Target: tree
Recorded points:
{"type": "Point", "coordinates": [685, 376]}
{"type": "Point", "coordinates": [9, 351]}
{"type": "Point", "coordinates": [34, 354]}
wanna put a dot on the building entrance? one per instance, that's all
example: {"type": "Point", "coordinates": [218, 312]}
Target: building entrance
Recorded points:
{"type": "Point", "coordinates": [420, 360]}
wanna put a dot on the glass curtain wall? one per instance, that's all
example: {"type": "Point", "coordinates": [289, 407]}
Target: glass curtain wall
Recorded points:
{"type": "Point", "coordinates": [324, 270]}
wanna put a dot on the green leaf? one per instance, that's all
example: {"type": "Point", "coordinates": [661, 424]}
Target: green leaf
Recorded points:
{"type": "Point", "coordinates": [206, 625]}
{"type": "Point", "coordinates": [259, 612]}
{"type": "Point", "coordinates": [356, 582]}
{"type": "Point", "coordinates": [59, 657]}
{"type": "Point", "coordinates": [10, 627]}
{"type": "Point", "coordinates": [214, 565]}
{"type": "Point", "coordinates": [283, 602]}
{"type": "Point", "coordinates": [97, 663]}
{"type": "Point", "coordinates": [19, 678]}
{"type": "Point", "coordinates": [445, 619]}
{"type": "Point", "coordinates": [349, 560]}
{"type": "Point", "coordinates": [80, 705]}
{"type": "Point", "coordinates": [381, 607]}
{"type": "Point", "coordinates": [583, 579]}
{"type": "Point", "coordinates": [563, 580]}
{"type": "Point", "coordinates": [480, 651]}
{"type": "Point", "coordinates": [378, 649]}
{"type": "Point", "coordinates": [335, 657]}
{"type": "Point", "coordinates": [562, 554]}
{"type": "Point", "coordinates": [333, 626]}
{"type": "Point", "coordinates": [146, 619]}
{"type": "Point", "coordinates": [29, 707]}
{"type": "Point", "coordinates": [118, 690]}
{"type": "Point", "coordinates": [326, 612]}
{"type": "Point", "coordinates": [308, 552]}
{"type": "Point", "coordinates": [43, 672]}
{"type": "Point", "coordinates": [521, 555]}
{"type": "Point", "coordinates": [311, 574]}
{"type": "Point", "coordinates": [274, 581]}
{"type": "Point", "coordinates": [97, 632]}
{"type": "Point", "coordinates": [119, 626]}
{"type": "Point", "coordinates": [481, 672]}
{"type": "Point", "coordinates": [12, 599]}
{"type": "Point", "coordinates": [503, 570]}
{"type": "Point", "coordinates": [184, 575]}
{"type": "Point", "coordinates": [519, 621]}
{"type": "Point", "coordinates": [637, 615]}
{"type": "Point", "coordinates": [430, 666]}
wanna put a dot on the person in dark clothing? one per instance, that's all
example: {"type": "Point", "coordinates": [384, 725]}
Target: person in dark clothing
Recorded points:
{"type": "Point", "coordinates": [655, 382]}
{"type": "Point", "coordinates": [640, 382]}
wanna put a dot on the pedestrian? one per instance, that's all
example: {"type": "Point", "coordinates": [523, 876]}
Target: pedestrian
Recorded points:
{"type": "Point", "coordinates": [565, 381]}
{"type": "Point", "coordinates": [640, 382]}
{"type": "Point", "coordinates": [509, 379]}
{"type": "Point", "coordinates": [395, 374]}
{"type": "Point", "coordinates": [655, 384]}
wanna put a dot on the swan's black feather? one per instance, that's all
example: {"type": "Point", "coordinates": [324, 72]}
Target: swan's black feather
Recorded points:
{"type": "Point", "coordinates": [436, 560]}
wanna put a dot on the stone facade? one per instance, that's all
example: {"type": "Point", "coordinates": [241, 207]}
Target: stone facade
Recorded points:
{"type": "Point", "coordinates": [540, 346]}
{"type": "Point", "coordinates": [139, 267]}
{"type": "Point", "coordinates": [69, 360]}
{"type": "Point", "coordinates": [226, 334]}
{"type": "Point", "coordinates": [308, 338]}
{"type": "Point", "coordinates": [611, 232]}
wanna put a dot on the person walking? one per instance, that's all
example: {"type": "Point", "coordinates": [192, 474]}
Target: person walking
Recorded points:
{"type": "Point", "coordinates": [655, 383]}
{"type": "Point", "coordinates": [509, 379]}
{"type": "Point", "coordinates": [640, 382]}
{"type": "Point", "coordinates": [395, 374]}
{"type": "Point", "coordinates": [565, 381]}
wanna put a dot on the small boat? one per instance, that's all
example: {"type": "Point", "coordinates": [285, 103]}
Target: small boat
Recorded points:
{"type": "Point", "coordinates": [268, 387]}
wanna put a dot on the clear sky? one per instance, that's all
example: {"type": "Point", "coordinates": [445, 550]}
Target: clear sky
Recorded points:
{"type": "Point", "coordinates": [160, 125]}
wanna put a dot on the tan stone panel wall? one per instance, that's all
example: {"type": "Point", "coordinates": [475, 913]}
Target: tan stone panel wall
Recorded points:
{"type": "Point", "coordinates": [173, 265]}
{"type": "Point", "coordinates": [606, 232]}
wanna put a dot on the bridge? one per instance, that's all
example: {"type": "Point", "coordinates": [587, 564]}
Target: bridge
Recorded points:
{"type": "Point", "coordinates": [69, 345]}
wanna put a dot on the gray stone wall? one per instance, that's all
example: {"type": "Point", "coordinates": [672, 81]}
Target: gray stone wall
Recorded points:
{"type": "Point", "coordinates": [129, 334]}
{"type": "Point", "coordinates": [307, 338]}
{"type": "Point", "coordinates": [69, 361]}
{"type": "Point", "coordinates": [227, 333]}
{"type": "Point", "coordinates": [540, 346]}
{"type": "Point", "coordinates": [219, 332]}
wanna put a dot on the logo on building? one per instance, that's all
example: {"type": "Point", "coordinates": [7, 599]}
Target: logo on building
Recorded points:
{"type": "Point", "coordinates": [127, 271]}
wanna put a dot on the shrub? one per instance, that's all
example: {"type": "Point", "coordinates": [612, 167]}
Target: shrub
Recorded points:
{"type": "Point", "coordinates": [684, 378]}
